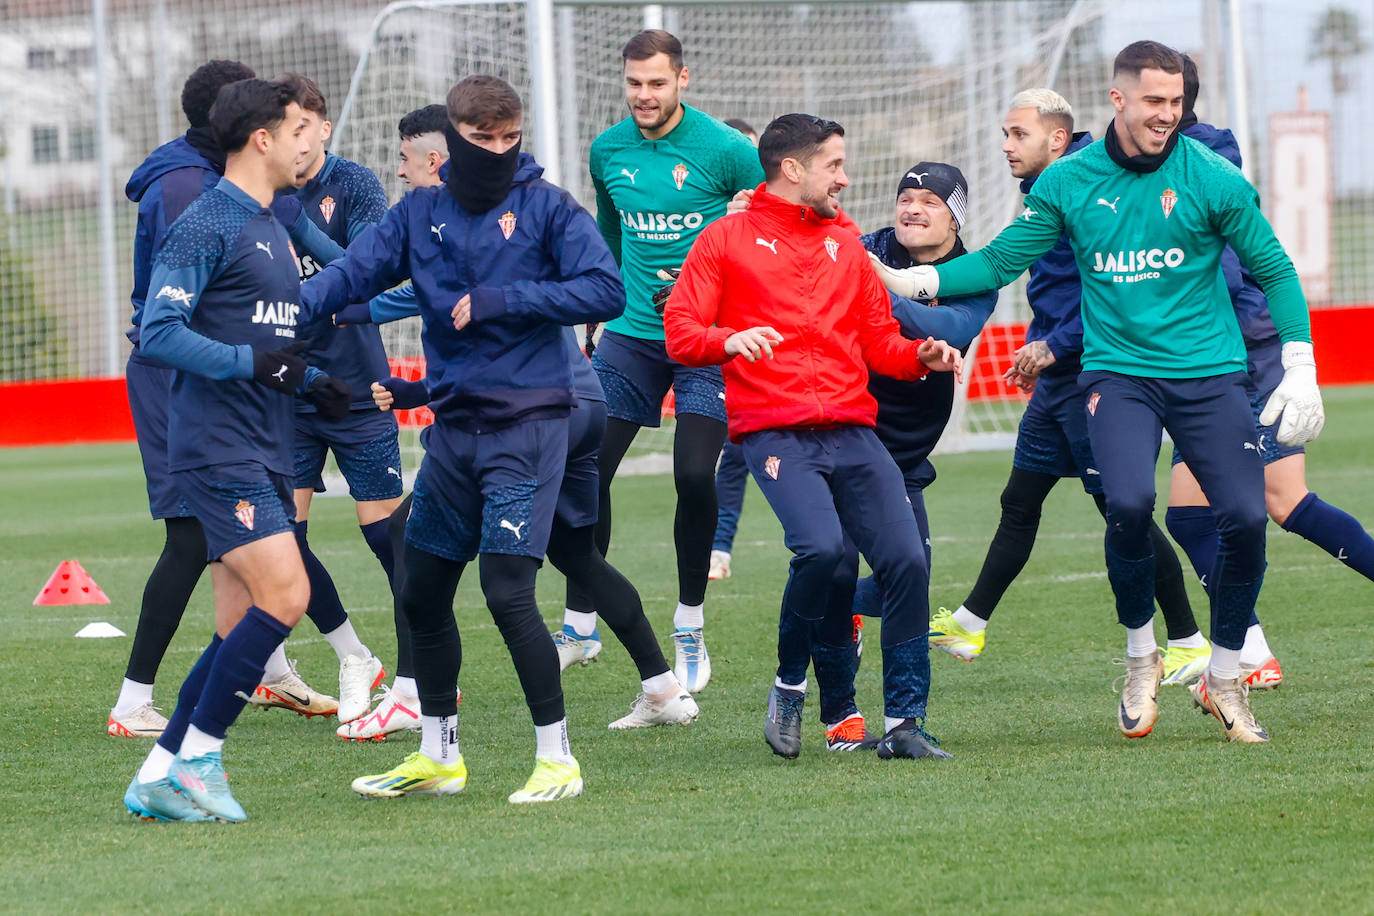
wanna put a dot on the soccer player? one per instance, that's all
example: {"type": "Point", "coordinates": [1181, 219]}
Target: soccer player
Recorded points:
{"type": "Point", "coordinates": [786, 289]}
{"type": "Point", "coordinates": [500, 260]}
{"type": "Point", "coordinates": [1149, 213]}
{"type": "Point", "coordinates": [661, 175]}
{"type": "Point", "coordinates": [1288, 501]}
{"type": "Point", "coordinates": [172, 176]}
{"type": "Point", "coordinates": [1052, 437]}
{"type": "Point", "coordinates": [335, 201]}
{"type": "Point", "coordinates": [224, 308]}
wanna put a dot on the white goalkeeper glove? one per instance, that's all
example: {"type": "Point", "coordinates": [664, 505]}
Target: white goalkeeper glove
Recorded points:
{"type": "Point", "coordinates": [1297, 398]}
{"type": "Point", "coordinates": [920, 282]}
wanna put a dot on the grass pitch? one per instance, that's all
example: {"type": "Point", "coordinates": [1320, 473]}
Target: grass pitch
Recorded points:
{"type": "Point", "coordinates": [1045, 808]}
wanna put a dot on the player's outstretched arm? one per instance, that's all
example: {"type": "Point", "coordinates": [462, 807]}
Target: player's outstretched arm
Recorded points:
{"type": "Point", "coordinates": [399, 394]}
{"type": "Point", "coordinates": [689, 318]}
{"type": "Point", "coordinates": [376, 261]}
{"type": "Point", "coordinates": [957, 320]}
{"type": "Point", "coordinates": [939, 356]}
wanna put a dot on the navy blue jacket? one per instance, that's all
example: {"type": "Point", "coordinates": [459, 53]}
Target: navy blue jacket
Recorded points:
{"type": "Point", "coordinates": [163, 186]}
{"type": "Point", "coordinates": [336, 206]}
{"type": "Point", "coordinates": [1055, 291]}
{"type": "Point", "coordinates": [531, 265]}
{"type": "Point", "coordinates": [224, 284]}
{"type": "Point", "coordinates": [912, 415]}
{"type": "Point", "coordinates": [1252, 309]}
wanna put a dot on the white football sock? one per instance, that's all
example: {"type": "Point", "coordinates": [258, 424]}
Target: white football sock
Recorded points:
{"type": "Point", "coordinates": [1225, 663]}
{"type": "Point", "coordinates": [660, 684]}
{"type": "Point", "coordinates": [1256, 650]}
{"type": "Point", "coordinates": [198, 744]}
{"type": "Point", "coordinates": [276, 667]}
{"type": "Point", "coordinates": [439, 739]}
{"type": "Point", "coordinates": [583, 623]}
{"type": "Point", "coordinates": [157, 765]}
{"type": "Point", "coordinates": [1196, 641]}
{"type": "Point", "coordinates": [1140, 641]}
{"type": "Point", "coordinates": [777, 682]}
{"type": "Point", "coordinates": [406, 687]}
{"type": "Point", "coordinates": [132, 695]}
{"type": "Point", "coordinates": [891, 722]}
{"type": "Point", "coordinates": [689, 617]}
{"type": "Point", "coordinates": [551, 741]}
{"type": "Point", "coordinates": [345, 642]}
{"type": "Point", "coordinates": [969, 620]}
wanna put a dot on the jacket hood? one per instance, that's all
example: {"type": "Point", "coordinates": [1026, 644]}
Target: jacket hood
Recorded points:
{"type": "Point", "coordinates": [176, 154]}
{"type": "Point", "coordinates": [1081, 139]}
{"type": "Point", "coordinates": [1219, 140]}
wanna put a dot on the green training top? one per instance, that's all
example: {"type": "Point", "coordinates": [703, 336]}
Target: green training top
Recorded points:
{"type": "Point", "coordinates": [1148, 247]}
{"type": "Point", "coordinates": [654, 196]}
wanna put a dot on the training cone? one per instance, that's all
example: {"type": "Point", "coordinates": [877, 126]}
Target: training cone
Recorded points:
{"type": "Point", "coordinates": [70, 584]}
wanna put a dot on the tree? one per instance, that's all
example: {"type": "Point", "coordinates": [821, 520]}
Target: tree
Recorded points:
{"type": "Point", "coordinates": [1336, 39]}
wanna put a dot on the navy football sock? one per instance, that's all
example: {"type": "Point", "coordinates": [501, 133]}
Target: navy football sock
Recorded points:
{"type": "Point", "coordinates": [1131, 581]}
{"type": "Point", "coordinates": [1195, 529]}
{"type": "Point", "coordinates": [237, 670]}
{"type": "Point", "coordinates": [326, 611]}
{"type": "Point", "coordinates": [191, 689]}
{"type": "Point", "coordinates": [379, 540]}
{"type": "Point", "coordinates": [1338, 533]}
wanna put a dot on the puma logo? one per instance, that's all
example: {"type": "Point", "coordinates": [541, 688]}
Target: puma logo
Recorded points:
{"type": "Point", "coordinates": [280, 374]}
{"type": "Point", "coordinates": [267, 247]}
{"type": "Point", "coordinates": [438, 231]}
{"type": "Point", "coordinates": [630, 175]}
{"type": "Point", "coordinates": [918, 176]}
{"type": "Point", "coordinates": [1340, 554]}
{"type": "Point", "coordinates": [514, 529]}
{"type": "Point", "coordinates": [393, 471]}
{"type": "Point", "coordinates": [771, 246]}
{"type": "Point", "coordinates": [1112, 205]}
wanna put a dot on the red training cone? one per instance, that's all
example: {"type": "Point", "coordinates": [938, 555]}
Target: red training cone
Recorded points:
{"type": "Point", "coordinates": [70, 584]}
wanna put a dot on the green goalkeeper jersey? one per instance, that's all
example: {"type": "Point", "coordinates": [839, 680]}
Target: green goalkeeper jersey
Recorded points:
{"type": "Point", "coordinates": [1148, 247]}
{"type": "Point", "coordinates": [654, 196]}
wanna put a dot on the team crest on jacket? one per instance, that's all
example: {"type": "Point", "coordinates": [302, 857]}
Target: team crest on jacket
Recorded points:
{"type": "Point", "coordinates": [244, 512]}
{"type": "Point", "coordinates": [679, 175]}
{"type": "Point", "coordinates": [832, 247]}
{"type": "Point", "coordinates": [507, 223]}
{"type": "Point", "coordinates": [1167, 201]}
{"type": "Point", "coordinates": [327, 209]}
{"type": "Point", "coordinates": [1092, 403]}
{"type": "Point", "coordinates": [770, 467]}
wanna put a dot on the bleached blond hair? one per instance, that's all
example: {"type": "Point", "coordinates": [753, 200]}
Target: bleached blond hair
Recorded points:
{"type": "Point", "coordinates": [1050, 105]}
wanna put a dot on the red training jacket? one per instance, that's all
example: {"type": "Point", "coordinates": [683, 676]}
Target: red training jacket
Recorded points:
{"type": "Point", "coordinates": [781, 265]}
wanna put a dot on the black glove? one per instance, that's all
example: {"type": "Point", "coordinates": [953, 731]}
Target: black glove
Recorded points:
{"type": "Point", "coordinates": [409, 395]}
{"type": "Point", "coordinates": [287, 209]}
{"type": "Point", "coordinates": [330, 396]}
{"type": "Point", "coordinates": [281, 370]}
{"type": "Point", "coordinates": [660, 296]}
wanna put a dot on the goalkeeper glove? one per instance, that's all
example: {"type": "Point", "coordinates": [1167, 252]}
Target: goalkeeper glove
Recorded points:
{"type": "Point", "coordinates": [281, 370]}
{"type": "Point", "coordinates": [920, 282]}
{"type": "Point", "coordinates": [330, 396]}
{"type": "Point", "coordinates": [1297, 398]}
{"type": "Point", "coordinates": [408, 395]}
{"type": "Point", "coordinates": [660, 296]}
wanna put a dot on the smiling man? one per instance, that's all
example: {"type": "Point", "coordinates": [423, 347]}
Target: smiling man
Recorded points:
{"type": "Point", "coordinates": [1149, 214]}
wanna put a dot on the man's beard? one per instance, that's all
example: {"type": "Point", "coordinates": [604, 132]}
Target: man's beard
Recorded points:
{"type": "Point", "coordinates": [666, 113]}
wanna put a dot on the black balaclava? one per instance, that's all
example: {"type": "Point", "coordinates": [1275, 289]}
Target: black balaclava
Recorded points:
{"type": "Point", "coordinates": [477, 178]}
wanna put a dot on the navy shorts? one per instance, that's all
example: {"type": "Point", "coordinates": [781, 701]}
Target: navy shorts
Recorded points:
{"type": "Point", "coordinates": [637, 374]}
{"type": "Point", "coordinates": [579, 496]}
{"type": "Point", "coordinates": [149, 384]}
{"type": "Point", "coordinates": [1053, 435]}
{"type": "Point", "coordinates": [1264, 372]}
{"type": "Point", "coordinates": [238, 503]}
{"type": "Point", "coordinates": [492, 492]}
{"type": "Point", "coordinates": [364, 445]}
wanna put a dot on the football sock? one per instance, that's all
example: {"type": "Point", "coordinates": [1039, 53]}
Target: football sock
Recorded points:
{"type": "Point", "coordinates": [326, 611]}
{"type": "Point", "coordinates": [1011, 545]}
{"type": "Point", "coordinates": [1338, 533]}
{"type": "Point", "coordinates": [1195, 641]}
{"type": "Point", "coordinates": [1256, 650]}
{"type": "Point", "coordinates": [277, 667]}
{"type": "Point", "coordinates": [169, 588]}
{"type": "Point", "coordinates": [969, 620]}
{"type": "Point", "coordinates": [659, 684]}
{"type": "Point", "coordinates": [405, 686]}
{"type": "Point", "coordinates": [689, 616]}
{"type": "Point", "coordinates": [583, 623]}
{"type": "Point", "coordinates": [132, 695]}
{"type": "Point", "coordinates": [157, 765]}
{"type": "Point", "coordinates": [1195, 529]}
{"type": "Point", "coordinates": [237, 671]}
{"type": "Point", "coordinates": [551, 741]}
{"type": "Point", "coordinates": [188, 696]}
{"type": "Point", "coordinates": [198, 744]}
{"type": "Point", "coordinates": [1140, 641]}
{"type": "Point", "coordinates": [1225, 663]}
{"type": "Point", "coordinates": [439, 739]}
{"type": "Point", "coordinates": [344, 641]}
{"type": "Point", "coordinates": [696, 446]}
{"type": "Point", "coordinates": [891, 722]}
{"type": "Point", "coordinates": [379, 541]}
{"type": "Point", "coordinates": [778, 682]}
